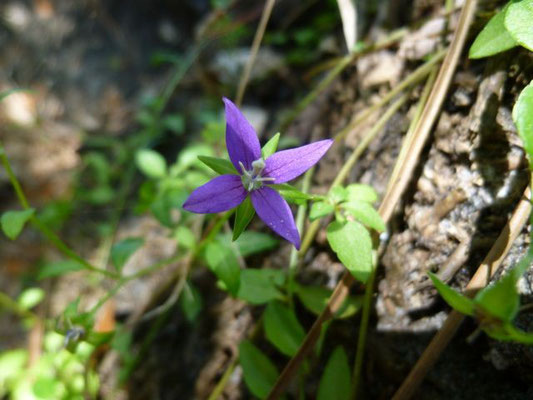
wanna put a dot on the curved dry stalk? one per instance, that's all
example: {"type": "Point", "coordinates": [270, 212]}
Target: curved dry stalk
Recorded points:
{"type": "Point", "coordinates": [429, 115]}
{"type": "Point", "coordinates": [485, 271]}
{"type": "Point", "coordinates": [265, 16]}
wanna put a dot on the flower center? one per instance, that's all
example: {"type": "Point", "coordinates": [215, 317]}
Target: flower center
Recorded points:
{"type": "Point", "coordinates": [252, 179]}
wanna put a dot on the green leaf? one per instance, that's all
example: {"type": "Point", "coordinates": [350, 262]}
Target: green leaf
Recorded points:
{"type": "Point", "coordinates": [219, 165]}
{"type": "Point", "coordinates": [315, 299]}
{"type": "Point", "coordinates": [455, 299]}
{"type": "Point", "coordinates": [185, 237]}
{"type": "Point", "coordinates": [191, 302]}
{"type": "Point", "coordinates": [523, 119]}
{"type": "Point", "coordinates": [518, 335]}
{"type": "Point", "coordinates": [190, 155]}
{"type": "Point", "coordinates": [243, 216]}
{"type": "Point", "coordinates": [493, 39]}
{"type": "Point", "coordinates": [292, 195]}
{"type": "Point", "coordinates": [335, 382]}
{"type": "Point", "coordinates": [47, 387]}
{"type": "Point", "coordinates": [259, 286]}
{"type": "Point", "coordinates": [259, 372]}
{"type": "Point", "coordinates": [500, 299]}
{"type": "Point", "coordinates": [224, 264]}
{"type": "Point", "coordinates": [56, 268]}
{"type": "Point", "coordinates": [282, 328]}
{"type": "Point", "coordinates": [151, 163]}
{"type": "Point", "coordinates": [271, 146]}
{"type": "Point", "coordinates": [366, 214]}
{"type": "Point", "coordinates": [320, 209]}
{"type": "Point", "coordinates": [338, 194]}
{"type": "Point", "coordinates": [123, 250]}
{"type": "Point", "coordinates": [353, 245]}
{"type": "Point", "coordinates": [29, 298]}
{"type": "Point", "coordinates": [175, 123]}
{"type": "Point", "coordinates": [518, 20]}
{"type": "Point", "coordinates": [12, 363]}
{"type": "Point", "coordinates": [360, 192]}
{"type": "Point", "coordinates": [255, 242]}
{"type": "Point", "coordinates": [13, 222]}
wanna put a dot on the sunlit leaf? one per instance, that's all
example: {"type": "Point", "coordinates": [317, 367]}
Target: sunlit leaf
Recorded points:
{"type": "Point", "coordinates": [366, 214]}
{"type": "Point", "coordinates": [360, 192]}
{"type": "Point", "coordinates": [13, 221]}
{"type": "Point", "coordinates": [320, 209]}
{"type": "Point", "coordinates": [518, 21]}
{"type": "Point", "coordinates": [29, 298]}
{"type": "Point", "coordinates": [151, 163]}
{"type": "Point", "coordinates": [493, 39]}
{"type": "Point", "coordinates": [353, 245]}
{"type": "Point", "coordinates": [271, 146]}
{"type": "Point", "coordinates": [523, 119]}
{"type": "Point", "coordinates": [455, 299]}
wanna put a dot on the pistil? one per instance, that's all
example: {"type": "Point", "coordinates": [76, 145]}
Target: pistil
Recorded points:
{"type": "Point", "coordinates": [252, 179]}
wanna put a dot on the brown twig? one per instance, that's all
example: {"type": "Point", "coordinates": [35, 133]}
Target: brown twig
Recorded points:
{"type": "Point", "coordinates": [392, 197]}
{"type": "Point", "coordinates": [265, 16]}
{"type": "Point", "coordinates": [485, 271]}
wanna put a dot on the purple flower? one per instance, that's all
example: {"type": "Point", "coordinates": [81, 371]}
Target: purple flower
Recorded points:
{"type": "Point", "coordinates": [255, 174]}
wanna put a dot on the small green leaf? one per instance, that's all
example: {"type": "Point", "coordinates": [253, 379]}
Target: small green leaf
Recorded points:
{"type": "Point", "coordinates": [271, 146]}
{"type": "Point", "coordinates": [335, 382]}
{"type": "Point", "coordinates": [493, 39]}
{"type": "Point", "coordinates": [190, 155]}
{"type": "Point", "coordinates": [29, 298]}
{"type": "Point", "coordinates": [500, 299]}
{"type": "Point", "coordinates": [523, 119]}
{"type": "Point", "coordinates": [219, 165]}
{"type": "Point", "coordinates": [151, 163]}
{"type": "Point", "coordinates": [243, 216]}
{"type": "Point", "coordinates": [366, 214]}
{"type": "Point", "coordinates": [224, 264]}
{"type": "Point", "coordinates": [338, 194]}
{"type": "Point", "coordinates": [259, 372]}
{"type": "Point", "coordinates": [292, 195]}
{"type": "Point", "coordinates": [518, 19]}
{"type": "Point", "coordinates": [56, 268]}
{"type": "Point", "coordinates": [175, 123]}
{"type": "Point", "coordinates": [518, 335]}
{"type": "Point", "coordinates": [315, 299]}
{"type": "Point", "coordinates": [353, 245]}
{"type": "Point", "coordinates": [255, 242]}
{"type": "Point", "coordinates": [12, 364]}
{"type": "Point", "coordinates": [320, 209]}
{"type": "Point", "coordinates": [191, 302]}
{"type": "Point", "coordinates": [13, 222]}
{"type": "Point", "coordinates": [282, 328]}
{"type": "Point", "coordinates": [123, 250]}
{"type": "Point", "coordinates": [360, 192]}
{"type": "Point", "coordinates": [47, 387]}
{"type": "Point", "coordinates": [456, 300]}
{"type": "Point", "coordinates": [185, 237]}
{"type": "Point", "coordinates": [259, 286]}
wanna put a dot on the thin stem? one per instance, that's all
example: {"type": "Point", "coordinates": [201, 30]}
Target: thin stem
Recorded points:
{"type": "Point", "coordinates": [300, 218]}
{"type": "Point", "coordinates": [363, 330]}
{"type": "Point", "coordinates": [221, 385]}
{"type": "Point", "coordinates": [340, 65]}
{"type": "Point", "coordinates": [9, 304]}
{"type": "Point", "coordinates": [265, 16]}
{"type": "Point", "coordinates": [37, 223]}
{"type": "Point", "coordinates": [412, 79]}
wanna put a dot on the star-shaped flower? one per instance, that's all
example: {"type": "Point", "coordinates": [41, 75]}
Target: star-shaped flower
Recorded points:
{"type": "Point", "coordinates": [255, 174]}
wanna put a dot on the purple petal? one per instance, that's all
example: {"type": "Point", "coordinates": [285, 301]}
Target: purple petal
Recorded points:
{"type": "Point", "coordinates": [286, 165]}
{"type": "Point", "coordinates": [219, 194]}
{"type": "Point", "coordinates": [275, 212]}
{"type": "Point", "coordinates": [241, 140]}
